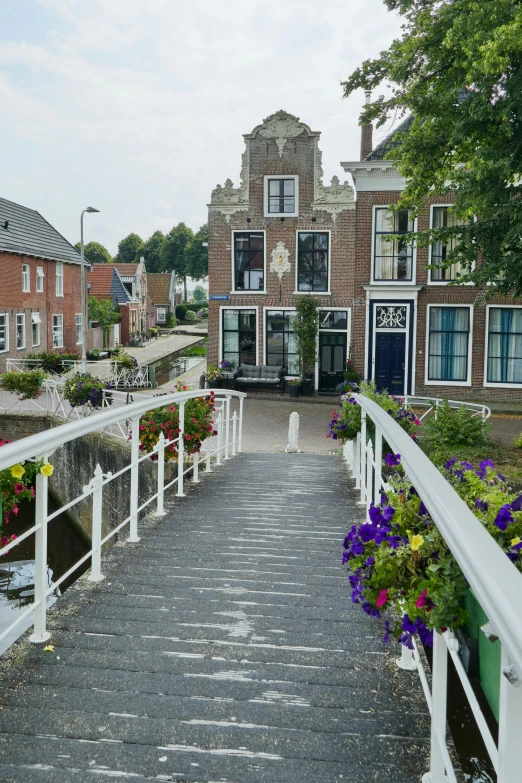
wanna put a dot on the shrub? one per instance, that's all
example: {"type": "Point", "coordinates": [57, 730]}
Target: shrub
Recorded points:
{"type": "Point", "coordinates": [171, 321]}
{"type": "Point", "coordinates": [518, 441]}
{"type": "Point", "coordinates": [153, 331]}
{"type": "Point", "coordinates": [196, 350]}
{"type": "Point", "coordinates": [198, 426]}
{"type": "Point", "coordinates": [181, 309]}
{"type": "Point", "coordinates": [26, 383]}
{"type": "Point", "coordinates": [86, 389]}
{"type": "Point", "coordinates": [203, 313]}
{"type": "Point", "coordinates": [194, 306]}
{"type": "Point", "coordinates": [94, 354]}
{"type": "Point", "coordinates": [190, 316]}
{"type": "Point", "coordinates": [52, 361]}
{"type": "Point", "coordinates": [453, 431]}
{"type": "Point", "coordinates": [125, 361]}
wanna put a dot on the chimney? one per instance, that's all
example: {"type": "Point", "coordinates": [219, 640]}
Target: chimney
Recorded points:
{"type": "Point", "coordinates": [366, 131]}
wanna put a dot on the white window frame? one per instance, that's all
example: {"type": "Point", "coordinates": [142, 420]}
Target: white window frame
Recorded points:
{"type": "Point", "coordinates": [161, 310]}
{"type": "Point", "coordinates": [233, 289]}
{"type": "Point", "coordinates": [20, 319]}
{"type": "Point", "coordinates": [440, 282]}
{"type": "Point", "coordinates": [467, 382]}
{"type": "Point", "coordinates": [76, 325]}
{"type": "Point", "coordinates": [26, 278]}
{"type": "Point", "coordinates": [394, 283]}
{"type": "Point", "coordinates": [59, 278]}
{"type": "Point", "coordinates": [5, 316]}
{"type": "Point", "coordinates": [39, 279]}
{"type": "Point", "coordinates": [237, 307]}
{"type": "Point", "coordinates": [279, 215]}
{"type": "Point", "coordinates": [494, 384]}
{"type": "Point", "coordinates": [296, 277]}
{"type": "Point", "coordinates": [57, 315]}
{"type": "Point", "coordinates": [38, 331]}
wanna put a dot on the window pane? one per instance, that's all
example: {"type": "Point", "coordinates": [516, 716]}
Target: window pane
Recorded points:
{"type": "Point", "coordinates": [256, 241]}
{"type": "Point", "coordinates": [306, 241]}
{"type": "Point", "coordinates": [321, 281]}
{"type": "Point", "coordinates": [288, 187]}
{"type": "Point", "coordinates": [321, 241]}
{"type": "Point", "coordinates": [273, 185]}
{"type": "Point", "coordinates": [384, 220]}
{"type": "Point", "coordinates": [289, 205]}
{"type": "Point", "coordinates": [280, 340]}
{"type": "Point", "coordinates": [402, 221]}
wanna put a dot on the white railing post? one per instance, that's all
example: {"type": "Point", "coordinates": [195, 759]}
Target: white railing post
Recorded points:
{"type": "Point", "coordinates": [509, 723]}
{"type": "Point", "coordinates": [362, 462]}
{"type": "Point", "coordinates": [357, 461]}
{"type": "Point", "coordinates": [181, 449]}
{"type": "Point", "coordinates": [160, 508]}
{"type": "Point", "coordinates": [207, 456]}
{"type": "Point", "coordinates": [378, 466]}
{"type": "Point", "coordinates": [240, 425]}
{"type": "Point", "coordinates": [40, 633]}
{"type": "Point", "coordinates": [195, 468]}
{"type": "Point", "coordinates": [369, 475]}
{"type": "Point", "coordinates": [439, 680]}
{"type": "Point", "coordinates": [134, 477]}
{"type": "Point", "coordinates": [219, 426]}
{"type": "Point", "coordinates": [407, 660]}
{"type": "Point", "coordinates": [96, 532]}
{"type": "Point", "coordinates": [227, 427]}
{"type": "Point", "coordinates": [234, 432]}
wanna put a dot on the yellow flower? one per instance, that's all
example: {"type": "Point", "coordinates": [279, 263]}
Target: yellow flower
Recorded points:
{"type": "Point", "coordinates": [515, 541]}
{"type": "Point", "coordinates": [416, 542]}
{"type": "Point", "coordinates": [49, 648]}
{"type": "Point", "coordinates": [17, 471]}
{"type": "Point", "coordinates": [47, 469]}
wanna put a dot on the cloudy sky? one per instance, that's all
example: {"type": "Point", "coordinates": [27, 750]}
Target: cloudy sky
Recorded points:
{"type": "Point", "coordinates": [137, 107]}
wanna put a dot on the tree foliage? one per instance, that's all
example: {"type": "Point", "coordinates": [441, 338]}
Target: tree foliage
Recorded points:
{"type": "Point", "coordinates": [130, 249]}
{"type": "Point", "coordinates": [306, 326]}
{"type": "Point", "coordinates": [174, 253]}
{"type": "Point", "coordinates": [152, 252]}
{"type": "Point", "coordinates": [199, 294]}
{"type": "Point", "coordinates": [458, 70]}
{"type": "Point", "coordinates": [102, 311]}
{"type": "Point", "coordinates": [95, 253]}
{"type": "Point", "coordinates": [197, 255]}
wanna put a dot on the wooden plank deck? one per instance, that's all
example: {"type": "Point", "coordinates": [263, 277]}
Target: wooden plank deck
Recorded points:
{"type": "Point", "coordinates": [222, 647]}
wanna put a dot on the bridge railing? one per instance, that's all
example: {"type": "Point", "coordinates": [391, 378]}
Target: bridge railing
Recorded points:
{"type": "Point", "coordinates": [108, 370]}
{"type": "Point", "coordinates": [493, 578]}
{"type": "Point", "coordinates": [220, 447]}
{"type": "Point", "coordinates": [433, 403]}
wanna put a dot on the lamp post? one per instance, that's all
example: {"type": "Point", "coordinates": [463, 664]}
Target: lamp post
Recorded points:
{"type": "Point", "coordinates": [82, 287]}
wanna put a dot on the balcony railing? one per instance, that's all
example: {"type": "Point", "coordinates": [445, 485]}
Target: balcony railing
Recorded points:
{"type": "Point", "coordinates": [494, 580]}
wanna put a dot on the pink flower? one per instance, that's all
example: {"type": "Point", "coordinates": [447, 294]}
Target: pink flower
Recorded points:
{"type": "Point", "coordinates": [421, 600]}
{"type": "Point", "coordinates": [15, 510]}
{"type": "Point", "coordinates": [187, 437]}
{"type": "Point", "coordinates": [18, 488]}
{"type": "Point", "coordinates": [383, 597]}
{"type": "Point", "coordinates": [31, 490]}
{"type": "Point", "coordinates": [142, 427]}
{"type": "Point", "coordinates": [417, 422]}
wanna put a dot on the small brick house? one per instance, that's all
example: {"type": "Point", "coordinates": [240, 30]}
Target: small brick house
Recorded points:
{"type": "Point", "coordinates": [279, 235]}
{"type": "Point", "coordinates": [40, 302]}
{"type": "Point", "coordinates": [104, 282]}
{"type": "Point", "coordinates": [134, 278]}
{"type": "Point", "coordinates": [162, 294]}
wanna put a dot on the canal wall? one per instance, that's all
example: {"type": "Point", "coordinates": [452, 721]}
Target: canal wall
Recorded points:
{"type": "Point", "coordinates": [162, 365]}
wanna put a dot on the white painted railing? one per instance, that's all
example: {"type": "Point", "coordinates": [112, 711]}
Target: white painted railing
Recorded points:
{"type": "Point", "coordinates": [432, 403]}
{"type": "Point", "coordinates": [494, 580]}
{"type": "Point", "coordinates": [227, 443]}
{"type": "Point", "coordinates": [110, 371]}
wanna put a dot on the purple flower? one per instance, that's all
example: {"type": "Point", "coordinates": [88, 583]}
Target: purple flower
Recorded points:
{"type": "Point", "coordinates": [425, 634]}
{"type": "Point", "coordinates": [486, 463]}
{"type": "Point", "coordinates": [370, 610]}
{"type": "Point", "coordinates": [504, 516]}
{"type": "Point", "coordinates": [408, 625]}
{"type": "Point", "coordinates": [407, 640]}
{"type": "Point", "coordinates": [375, 514]}
{"type": "Point", "coordinates": [449, 464]}
{"type": "Point", "coordinates": [466, 465]}
{"type": "Point", "coordinates": [481, 505]}
{"type": "Point", "coordinates": [388, 513]}
{"type": "Point", "coordinates": [392, 459]}
{"type": "Point", "coordinates": [517, 504]}
{"type": "Point", "coordinates": [501, 477]}
{"type": "Point", "coordinates": [423, 511]}
{"type": "Point", "coordinates": [387, 631]}
{"type": "Point", "coordinates": [513, 556]}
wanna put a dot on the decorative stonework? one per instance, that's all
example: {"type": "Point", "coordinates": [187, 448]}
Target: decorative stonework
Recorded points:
{"type": "Point", "coordinates": [333, 198]}
{"type": "Point", "coordinates": [227, 199]}
{"type": "Point", "coordinates": [280, 263]}
{"type": "Point", "coordinates": [281, 126]}
{"type": "Point", "coordinates": [390, 317]}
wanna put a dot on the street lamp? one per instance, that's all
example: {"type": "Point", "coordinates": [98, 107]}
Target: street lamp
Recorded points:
{"type": "Point", "coordinates": [84, 308]}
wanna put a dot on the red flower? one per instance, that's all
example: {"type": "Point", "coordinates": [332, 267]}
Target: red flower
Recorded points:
{"type": "Point", "coordinates": [18, 488]}
{"type": "Point", "coordinates": [187, 437]}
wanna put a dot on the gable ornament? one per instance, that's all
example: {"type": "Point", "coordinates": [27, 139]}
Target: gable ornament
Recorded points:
{"type": "Point", "coordinates": [280, 263]}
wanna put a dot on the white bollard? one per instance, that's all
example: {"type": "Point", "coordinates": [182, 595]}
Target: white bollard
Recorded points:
{"type": "Point", "coordinates": [96, 532]}
{"type": "Point", "coordinates": [293, 434]}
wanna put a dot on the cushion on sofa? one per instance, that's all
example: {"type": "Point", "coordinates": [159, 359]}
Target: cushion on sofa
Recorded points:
{"type": "Point", "coordinates": [250, 371]}
{"type": "Point", "coordinates": [270, 371]}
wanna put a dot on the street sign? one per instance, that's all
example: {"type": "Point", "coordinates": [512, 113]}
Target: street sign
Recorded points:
{"type": "Point", "coordinates": [219, 297]}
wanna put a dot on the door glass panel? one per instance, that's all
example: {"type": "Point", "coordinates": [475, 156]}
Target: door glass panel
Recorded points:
{"type": "Point", "coordinates": [338, 358]}
{"type": "Point", "coordinates": [326, 364]}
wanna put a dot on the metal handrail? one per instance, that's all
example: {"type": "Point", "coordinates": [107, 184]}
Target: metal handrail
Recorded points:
{"type": "Point", "coordinates": [432, 403]}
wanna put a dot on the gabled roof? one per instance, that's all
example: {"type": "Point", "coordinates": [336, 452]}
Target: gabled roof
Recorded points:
{"type": "Point", "coordinates": [28, 233]}
{"type": "Point", "coordinates": [391, 142]}
{"type": "Point", "coordinates": [106, 283]}
{"type": "Point", "coordinates": [126, 270]}
{"type": "Point", "coordinates": [158, 287]}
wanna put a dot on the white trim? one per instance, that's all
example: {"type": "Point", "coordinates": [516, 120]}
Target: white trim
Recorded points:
{"type": "Point", "coordinates": [265, 309]}
{"type": "Point", "coordinates": [441, 282]}
{"type": "Point", "coordinates": [296, 277]}
{"type": "Point", "coordinates": [496, 384]}
{"type": "Point", "coordinates": [384, 330]}
{"type": "Point", "coordinates": [59, 266]}
{"type": "Point", "coordinates": [56, 315]}
{"type": "Point", "coordinates": [6, 316]}
{"type": "Point", "coordinates": [237, 307]}
{"type": "Point", "coordinates": [467, 382]}
{"type": "Point", "coordinates": [392, 283]}
{"type": "Point", "coordinates": [40, 279]}
{"type": "Point", "coordinates": [78, 315]}
{"type": "Point", "coordinates": [250, 291]}
{"type": "Point", "coordinates": [164, 311]}
{"type": "Point", "coordinates": [268, 214]}
{"type": "Point", "coordinates": [347, 331]}
{"type": "Point", "coordinates": [26, 276]}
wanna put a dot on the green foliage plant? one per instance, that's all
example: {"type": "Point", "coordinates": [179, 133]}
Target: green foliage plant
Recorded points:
{"type": "Point", "coordinates": [181, 309]}
{"type": "Point", "coordinates": [95, 253]}
{"type": "Point", "coordinates": [196, 350]}
{"type": "Point", "coordinates": [518, 441]}
{"type": "Point", "coordinates": [453, 431]}
{"type": "Point", "coordinates": [214, 373]}
{"type": "Point", "coordinates": [26, 383]}
{"type": "Point", "coordinates": [102, 311]}
{"type": "Point", "coordinates": [52, 361]}
{"type": "Point", "coordinates": [190, 316]}
{"type": "Point", "coordinates": [306, 327]}
{"type": "Point", "coordinates": [125, 361]}
{"type": "Point", "coordinates": [16, 485]}
{"type": "Point", "coordinates": [171, 320]}
{"type": "Point", "coordinates": [130, 249]}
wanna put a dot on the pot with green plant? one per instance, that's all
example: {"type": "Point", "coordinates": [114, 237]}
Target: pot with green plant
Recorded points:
{"type": "Point", "coordinates": [214, 376]}
{"type": "Point", "coordinates": [306, 327]}
{"type": "Point", "coordinates": [294, 386]}
{"type": "Point", "coordinates": [26, 383]}
{"type": "Point", "coordinates": [86, 389]}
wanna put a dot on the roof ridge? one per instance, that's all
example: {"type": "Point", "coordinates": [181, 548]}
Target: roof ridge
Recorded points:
{"type": "Point", "coordinates": [29, 209]}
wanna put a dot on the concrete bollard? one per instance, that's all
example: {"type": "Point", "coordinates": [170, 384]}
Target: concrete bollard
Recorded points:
{"type": "Point", "coordinates": [293, 434]}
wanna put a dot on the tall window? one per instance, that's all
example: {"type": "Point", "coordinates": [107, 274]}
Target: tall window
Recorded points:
{"type": "Point", "coordinates": [505, 345]}
{"type": "Point", "coordinates": [312, 261]}
{"type": "Point", "coordinates": [20, 330]}
{"type": "Point", "coordinates": [392, 259]}
{"type": "Point", "coordinates": [4, 332]}
{"type": "Point", "coordinates": [26, 279]}
{"type": "Point", "coordinates": [249, 262]}
{"type": "Point", "coordinates": [39, 279]}
{"type": "Point", "coordinates": [57, 331]}
{"type": "Point", "coordinates": [281, 345]}
{"type": "Point", "coordinates": [239, 337]}
{"type": "Point", "coordinates": [35, 328]}
{"type": "Point", "coordinates": [59, 278]}
{"type": "Point", "coordinates": [281, 196]}
{"type": "Point", "coordinates": [448, 344]}
{"type": "Point", "coordinates": [78, 324]}
{"type": "Point", "coordinates": [443, 217]}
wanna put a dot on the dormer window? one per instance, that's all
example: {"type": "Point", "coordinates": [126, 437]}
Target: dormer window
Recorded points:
{"type": "Point", "coordinates": [281, 196]}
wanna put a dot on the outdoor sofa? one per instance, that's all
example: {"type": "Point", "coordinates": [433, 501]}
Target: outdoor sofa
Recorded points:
{"type": "Point", "coordinates": [250, 376]}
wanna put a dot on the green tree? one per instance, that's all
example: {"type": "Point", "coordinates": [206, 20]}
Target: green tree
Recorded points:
{"type": "Point", "coordinates": [199, 294]}
{"type": "Point", "coordinates": [306, 326]}
{"type": "Point", "coordinates": [152, 252]}
{"type": "Point", "coordinates": [197, 255]}
{"type": "Point", "coordinates": [101, 310]}
{"type": "Point", "coordinates": [129, 250]}
{"type": "Point", "coordinates": [458, 70]}
{"type": "Point", "coordinates": [175, 255]}
{"type": "Point", "coordinates": [95, 253]}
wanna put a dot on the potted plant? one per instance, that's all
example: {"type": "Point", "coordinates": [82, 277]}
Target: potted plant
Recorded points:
{"type": "Point", "coordinates": [227, 366]}
{"type": "Point", "coordinates": [214, 376]}
{"type": "Point", "coordinates": [306, 327]}
{"type": "Point", "coordinates": [86, 389]}
{"type": "Point", "coordinates": [294, 387]}
{"type": "Point", "coordinates": [125, 361]}
{"type": "Point", "coordinates": [26, 383]}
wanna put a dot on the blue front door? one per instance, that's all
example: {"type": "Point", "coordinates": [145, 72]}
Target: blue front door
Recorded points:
{"type": "Point", "coordinates": [390, 358]}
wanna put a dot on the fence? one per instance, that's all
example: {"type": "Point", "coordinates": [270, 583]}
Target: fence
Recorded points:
{"type": "Point", "coordinates": [432, 403]}
{"type": "Point", "coordinates": [493, 579]}
{"type": "Point", "coordinates": [110, 371]}
{"type": "Point", "coordinates": [225, 444]}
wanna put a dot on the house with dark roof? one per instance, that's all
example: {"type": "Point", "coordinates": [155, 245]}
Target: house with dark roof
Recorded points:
{"type": "Point", "coordinates": [40, 302]}
{"type": "Point", "coordinates": [134, 277]}
{"type": "Point", "coordinates": [162, 293]}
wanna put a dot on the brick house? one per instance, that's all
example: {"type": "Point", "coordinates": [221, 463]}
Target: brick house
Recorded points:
{"type": "Point", "coordinates": [105, 282]}
{"type": "Point", "coordinates": [412, 331]}
{"type": "Point", "coordinates": [134, 277]}
{"type": "Point", "coordinates": [162, 294]}
{"type": "Point", "coordinates": [281, 234]}
{"type": "Point", "coordinates": [40, 302]}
